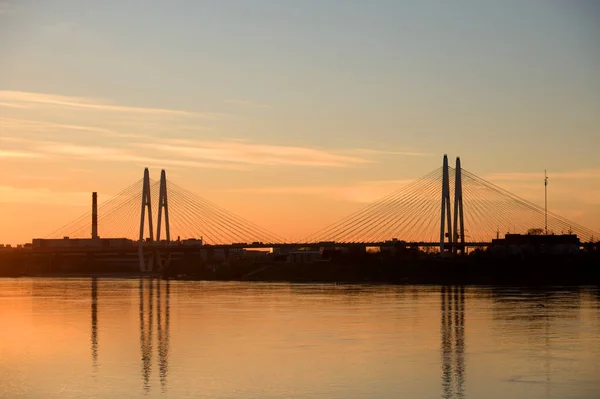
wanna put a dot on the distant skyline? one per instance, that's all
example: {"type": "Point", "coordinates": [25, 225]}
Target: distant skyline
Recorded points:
{"type": "Point", "coordinates": [293, 113]}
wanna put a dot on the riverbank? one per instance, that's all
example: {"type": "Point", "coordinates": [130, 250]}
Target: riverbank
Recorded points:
{"type": "Point", "coordinates": [579, 269]}
{"type": "Point", "coordinates": [543, 270]}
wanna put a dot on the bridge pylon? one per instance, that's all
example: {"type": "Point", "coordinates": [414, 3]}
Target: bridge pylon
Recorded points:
{"type": "Point", "coordinates": [459, 220]}
{"type": "Point", "coordinates": [163, 206]}
{"type": "Point", "coordinates": [146, 206]}
{"type": "Point", "coordinates": [445, 220]}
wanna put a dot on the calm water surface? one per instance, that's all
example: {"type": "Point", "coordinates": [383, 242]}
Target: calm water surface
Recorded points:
{"type": "Point", "coordinates": [107, 338]}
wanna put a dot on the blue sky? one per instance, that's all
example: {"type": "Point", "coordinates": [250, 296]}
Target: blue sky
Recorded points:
{"type": "Point", "coordinates": [384, 88]}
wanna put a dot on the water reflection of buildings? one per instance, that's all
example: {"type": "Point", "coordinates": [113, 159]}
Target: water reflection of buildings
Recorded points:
{"type": "Point", "coordinates": [94, 338]}
{"type": "Point", "coordinates": [453, 341]}
{"type": "Point", "coordinates": [147, 290]}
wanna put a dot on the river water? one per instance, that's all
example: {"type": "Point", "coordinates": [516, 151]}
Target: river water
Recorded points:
{"type": "Point", "coordinates": [129, 338]}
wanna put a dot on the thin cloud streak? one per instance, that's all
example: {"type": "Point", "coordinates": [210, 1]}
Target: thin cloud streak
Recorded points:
{"type": "Point", "coordinates": [44, 126]}
{"type": "Point", "coordinates": [387, 152]}
{"type": "Point", "coordinates": [12, 105]}
{"type": "Point", "coordinates": [17, 98]}
{"type": "Point", "coordinates": [63, 150]}
{"type": "Point", "coordinates": [19, 154]}
{"type": "Point", "coordinates": [18, 127]}
{"type": "Point", "coordinates": [253, 154]}
{"type": "Point", "coordinates": [229, 155]}
{"type": "Point", "coordinates": [116, 155]}
{"type": "Point", "coordinates": [22, 140]}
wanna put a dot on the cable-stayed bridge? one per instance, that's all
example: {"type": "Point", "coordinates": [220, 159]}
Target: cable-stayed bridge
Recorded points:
{"type": "Point", "coordinates": [450, 208]}
{"type": "Point", "coordinates": [466, 207]}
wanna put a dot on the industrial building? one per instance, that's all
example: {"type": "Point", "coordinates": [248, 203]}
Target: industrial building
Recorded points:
{"type": "Point", "coordinates": [66, 242]}
{"type": "Point", "coordinates": [523, 244]}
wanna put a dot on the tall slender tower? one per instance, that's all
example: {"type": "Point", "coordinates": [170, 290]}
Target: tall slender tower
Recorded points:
{"type": "Point", "coordinates": [146, 205]}
{"type": "Point", "coordinates": [445, 229]}
{"type": "Point", "coordinates": [459, 221]}
{"type": "Point", "coordinates": [163, 205]}
{"type": "Point", "coordinates": [94, 215]}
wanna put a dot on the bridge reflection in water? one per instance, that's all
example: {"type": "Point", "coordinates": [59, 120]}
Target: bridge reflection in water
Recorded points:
{"type": "Point", "coordinates": [148, 291]}
{"type": "Point", "coordinates": [531, 337]}
{"type": "Point", "coordinates": [453, 341]}
{"type": "Point", "coordinates": [154, 297]}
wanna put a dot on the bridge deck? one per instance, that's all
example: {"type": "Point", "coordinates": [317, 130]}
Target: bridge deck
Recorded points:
{"type": "Point", "coordinates": [195, 248]}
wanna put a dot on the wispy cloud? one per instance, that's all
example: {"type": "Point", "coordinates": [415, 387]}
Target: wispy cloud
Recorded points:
{"type": "Point", "coordinates": [229, 154]}
{"type": "Point", "coordinates": [10, 139]}
{"type": "Point", "coordinates": [367, 151]}
{"type": "Point", "coordinates": [12, 105]}
{"type": "Point", "coordinates": [253, 154]}
{"type": "Point", "coordinates": [51, 132]}
{"type": "Point", "coordinates": [226, 155]}
{"type": "Point", "coordinates": [28, 125]}
{"type": "Point", "coordinates": [21, 98]}
{"type": "Point", "coordinates": [18, 154]}
{"type": "Point", "coordinates": [109, 154]}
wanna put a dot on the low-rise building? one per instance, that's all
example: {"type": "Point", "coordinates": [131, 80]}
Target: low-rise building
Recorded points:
{"type": "Point", "coordinates": [192, 241]}
{"type": "Point", "coordinates": [67, 242]}
{"type": "Point", "coordinates": [523, 244]}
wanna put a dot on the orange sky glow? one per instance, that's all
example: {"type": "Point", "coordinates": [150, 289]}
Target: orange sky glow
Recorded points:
{"type": "Point", "coordinates": [293, 125]}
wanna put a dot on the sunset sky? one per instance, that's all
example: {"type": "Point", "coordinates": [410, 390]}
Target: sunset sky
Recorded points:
{"type": "Point", "coordinates": [293, 113]}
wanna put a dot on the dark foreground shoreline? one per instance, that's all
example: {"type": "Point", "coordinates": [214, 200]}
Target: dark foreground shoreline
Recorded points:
{"type": "Point", "coordinates": [541, 270]}
{"type": "Point", "coordinates": [435, 272]}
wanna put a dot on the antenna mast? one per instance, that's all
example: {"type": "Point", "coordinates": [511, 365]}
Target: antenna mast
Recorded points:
{"type": "Point", "coordinates": [546, 201]}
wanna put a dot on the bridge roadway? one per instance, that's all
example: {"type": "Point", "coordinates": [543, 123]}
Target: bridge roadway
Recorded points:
{"type": "Point", "coordinates": [175, 247]}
